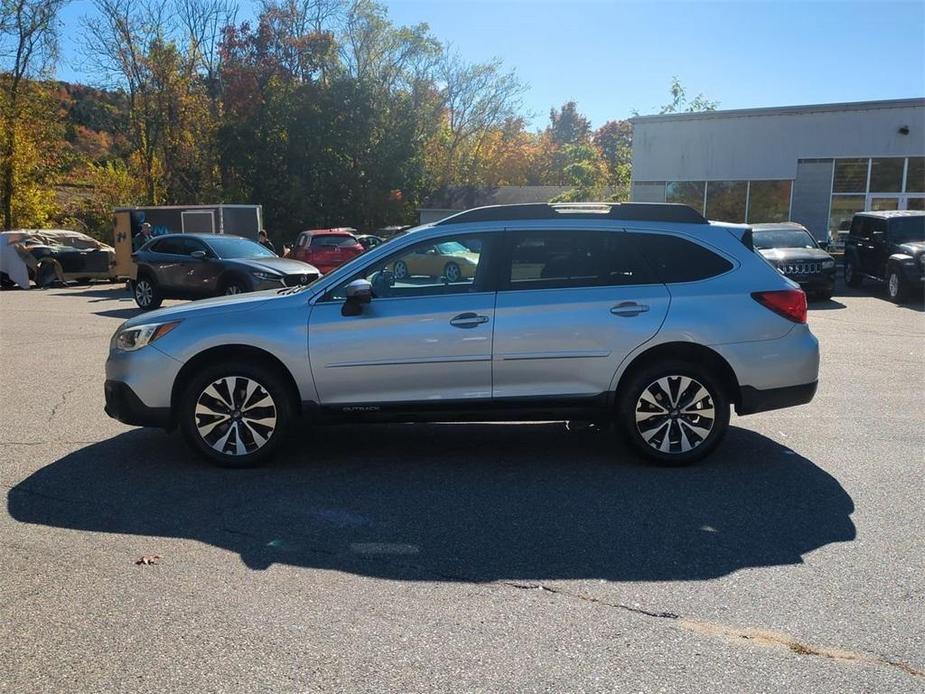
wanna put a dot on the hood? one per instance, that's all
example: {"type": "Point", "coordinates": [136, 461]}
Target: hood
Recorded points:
{"type": "Point", "coordinates": [913, 247]}
{"type": "Point", "coordinates": [791, 255]}
{"type": "Point", "coordinates": [238, 303]}
{"type": "Point", "coordinates": [284, 266]}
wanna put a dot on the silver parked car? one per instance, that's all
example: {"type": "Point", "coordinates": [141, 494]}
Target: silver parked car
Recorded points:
{"type": "Point", "coordinates": [645, 315]}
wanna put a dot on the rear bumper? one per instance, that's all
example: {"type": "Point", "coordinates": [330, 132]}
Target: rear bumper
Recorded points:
{"type": "Point", "coordinates": [123, 404]}
{"type": "Point", "coordinates": [752, 400]}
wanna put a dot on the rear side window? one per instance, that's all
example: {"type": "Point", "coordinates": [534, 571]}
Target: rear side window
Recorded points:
{"type": "Point", "coordinates": [170, 245]}
{"type": "Point", "coordinates": [564, 259]}
{"type": "Point", "coordinates": [675, 259]}
{"type": "Point", "coordinates": [333, 241]}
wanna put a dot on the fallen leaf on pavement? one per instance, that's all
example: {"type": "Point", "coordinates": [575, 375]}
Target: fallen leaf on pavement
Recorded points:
{"type": "Point", "coordinates": [148, 559]}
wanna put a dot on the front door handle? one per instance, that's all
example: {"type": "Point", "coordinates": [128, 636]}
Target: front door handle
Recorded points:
{"type": "Point", "coordinates": [468, 320]}
{"type": "Point", "coordinates": [628, 308]}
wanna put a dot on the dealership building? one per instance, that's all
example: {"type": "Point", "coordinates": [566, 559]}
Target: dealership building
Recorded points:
{"type": "Point", "coordinates": [816, 165]}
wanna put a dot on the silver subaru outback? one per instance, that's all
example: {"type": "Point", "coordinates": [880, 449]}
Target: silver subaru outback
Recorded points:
{"type": "Point", "coordinates": [646, 316]}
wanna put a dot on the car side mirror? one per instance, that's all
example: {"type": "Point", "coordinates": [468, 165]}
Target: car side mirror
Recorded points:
{"type": "Point", "coordinates": [199, 255]}
{"type": "Point", "coordinates": [359, 293]}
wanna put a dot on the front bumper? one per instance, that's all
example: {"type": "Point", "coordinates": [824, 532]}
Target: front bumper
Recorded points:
{"type": "Point", "coordinates": [818, 282]}
{"type": "Point", "coordinates": [123, 404]}
{"type": "Point", "coordinates": [752, 400]}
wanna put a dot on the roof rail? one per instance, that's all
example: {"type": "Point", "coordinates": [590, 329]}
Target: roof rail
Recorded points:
{"type": "Point", "coordinates": [636, 211]}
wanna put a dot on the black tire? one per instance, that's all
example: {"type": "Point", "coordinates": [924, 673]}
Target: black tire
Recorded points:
{"type": "Point", "coordinates": [852, 277]}
{"type": "Point", "coordinates": [896, 287]}
{"type": "Point", "coordinates": [270, 399]}
{"type": "Point", "coordinates": [400, 271]}
{"type": "Point", "coordinates": [693, 428]}
{"type": "Point", "coordinates": [146, 292]}
{"type": "Point", "coordinates": [233, 287]}
{"type": "Point", "coordinates": [452, 273]}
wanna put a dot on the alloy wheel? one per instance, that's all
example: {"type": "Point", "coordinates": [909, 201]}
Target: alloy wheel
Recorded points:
{"type": "Point", "coordinates": [232, 289]}
{"type": "Point", "coordinates": [675, 414]}
{"type": "Point", "coordinates": [894, 285]}
{"type": "Point", "coordinates": [235, 415]}
{"type": "Point", "coordinates": [144, 292]}
{"type": "Point", "coordinates": [452, 272]}
{"type": "Point", "coordinates": [401, 270]}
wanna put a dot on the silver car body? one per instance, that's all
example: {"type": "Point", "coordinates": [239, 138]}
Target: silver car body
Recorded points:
{"type": "Point", "coordinates": [548, 343]}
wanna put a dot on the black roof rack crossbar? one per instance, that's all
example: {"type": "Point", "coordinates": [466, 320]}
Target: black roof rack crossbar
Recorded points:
{"type": "Point", "coordinates": [636, 211]}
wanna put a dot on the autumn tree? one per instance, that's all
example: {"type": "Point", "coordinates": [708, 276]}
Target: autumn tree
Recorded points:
{"type": "Point", "coordinates": [614, 140]}
{"type": "Point", "coordinates": [28, 51]}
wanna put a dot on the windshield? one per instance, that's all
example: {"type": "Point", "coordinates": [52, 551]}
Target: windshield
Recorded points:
{"type": "Point", "coordinates": [333, 241]}
{"type": "Point", "coordinates": [452, 248]}
{"type": "Point", "coordinates": [231, 247]}
{"type": "Point", "coordinates": [905, 229]}
{"type": "Point", "coordinates": [783, 238]}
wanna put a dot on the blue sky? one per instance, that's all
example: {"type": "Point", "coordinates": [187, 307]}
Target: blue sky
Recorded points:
{"type": "Point", "coordinates": [614, 57]}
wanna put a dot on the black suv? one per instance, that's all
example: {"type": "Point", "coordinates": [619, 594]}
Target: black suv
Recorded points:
{"type": "Point", "coordinates": [888, 247]}
{"type": "Point", "coordinates": [194, 266]}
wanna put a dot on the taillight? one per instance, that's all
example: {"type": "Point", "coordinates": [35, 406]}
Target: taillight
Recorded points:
{"type": "Point", "coordinates": [789, 303]}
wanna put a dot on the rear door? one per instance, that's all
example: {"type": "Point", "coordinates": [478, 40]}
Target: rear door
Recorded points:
{"type": "Point", "coordinates": [874, 262]}
{"type": "Point", "coordinates": [421, 340]}
{"type": "Point", "coordinates": [571, 305]}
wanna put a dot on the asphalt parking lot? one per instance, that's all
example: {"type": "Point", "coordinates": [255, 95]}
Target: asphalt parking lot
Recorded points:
{"type": "Point", "coordinates": [462, 557]}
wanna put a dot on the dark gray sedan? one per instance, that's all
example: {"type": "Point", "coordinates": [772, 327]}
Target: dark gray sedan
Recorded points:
{"type": "Point", "coordinates": [195, 266]}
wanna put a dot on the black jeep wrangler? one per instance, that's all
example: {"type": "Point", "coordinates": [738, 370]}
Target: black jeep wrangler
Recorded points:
{"type": "Point", "coordinates": [888, 247]}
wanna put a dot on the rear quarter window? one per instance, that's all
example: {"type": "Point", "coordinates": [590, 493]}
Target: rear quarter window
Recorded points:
{"type": "Point", "coordinates": [675, 259]}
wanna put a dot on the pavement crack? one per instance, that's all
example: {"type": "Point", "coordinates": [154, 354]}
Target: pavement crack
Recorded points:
{"type": "Point", "coordinates": [64, 396]}
{"type": "Point", "coordinates": [771, 639]}
{"type": "Point", "coordinates": [760, 637]}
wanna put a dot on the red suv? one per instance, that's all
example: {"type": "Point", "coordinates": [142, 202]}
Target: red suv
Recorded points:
{"type": "Point", "coordinates": [327, 249]}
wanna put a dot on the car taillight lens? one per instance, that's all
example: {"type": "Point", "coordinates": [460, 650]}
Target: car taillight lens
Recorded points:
{"type": "Point", "coordinates": [789, 303]}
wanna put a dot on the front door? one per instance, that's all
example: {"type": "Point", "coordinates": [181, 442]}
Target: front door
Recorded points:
{"type": "Point", "coordinates": [423, 338]}
{"type": "Point", "coordinates": [571, 306]}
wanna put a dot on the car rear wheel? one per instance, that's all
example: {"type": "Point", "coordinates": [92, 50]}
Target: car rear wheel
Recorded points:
{"type": "Point", "coordinates": [852, 277]}
{"type": "Point", "coordinates": [674, 413]}
{"type": "Point", "coordinates": [896, 286]}
{"type": "Point", "coordinates": [452, 272]}
{"type": "Point", "coordinates": [147, 295]}
{"type": "Point", "coordinates": [401, 270]}
{"type": "Point", "coordinates": [235, 414]}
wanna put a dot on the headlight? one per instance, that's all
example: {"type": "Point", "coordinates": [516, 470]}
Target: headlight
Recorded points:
{"type": "Point", "coordinates": [130, 339]}
{"type": "Point", "coordinates": [828, 264]}
{"type": "Point", "coordinates": [267, 276]}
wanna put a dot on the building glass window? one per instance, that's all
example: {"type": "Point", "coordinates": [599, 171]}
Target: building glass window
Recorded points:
{"type": "Point", "coordinates": [915, 175]}
{"type": "Point", "coordinates": [850, 176]}
{"type": "Point", "coordinates": [886, 175]}
{"type": "Point", "coordinates": [685, 193]}
{"type": "Point", "coordinates": [726, 200]}
{"type": "Point", "coordinates": [843, 209]}
{"type": "Point", "coordinates": [768, 201]}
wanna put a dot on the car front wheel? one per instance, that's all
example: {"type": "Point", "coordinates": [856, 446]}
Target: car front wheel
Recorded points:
{"type": "Point", "coordinates": [674, 413]}
{"type": "Point", "coordinates": [235, 414]}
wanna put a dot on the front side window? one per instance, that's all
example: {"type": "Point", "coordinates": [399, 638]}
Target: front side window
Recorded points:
{"type": "Point", "coordinates": [454, 265]}
{"type": "Point", "coordinates": [564, 259]}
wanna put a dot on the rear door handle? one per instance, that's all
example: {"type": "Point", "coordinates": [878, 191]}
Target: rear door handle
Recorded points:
{"type": "Point", "coordinates": [468, 320]}
{"type": "Point", "coordinates": [628, 308]}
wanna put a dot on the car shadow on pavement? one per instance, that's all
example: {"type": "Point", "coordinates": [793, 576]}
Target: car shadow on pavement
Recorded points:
{"type": "Point", "coordinates": [827, 305]}
{"type": "Point", "coordinates": [467, 502]}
